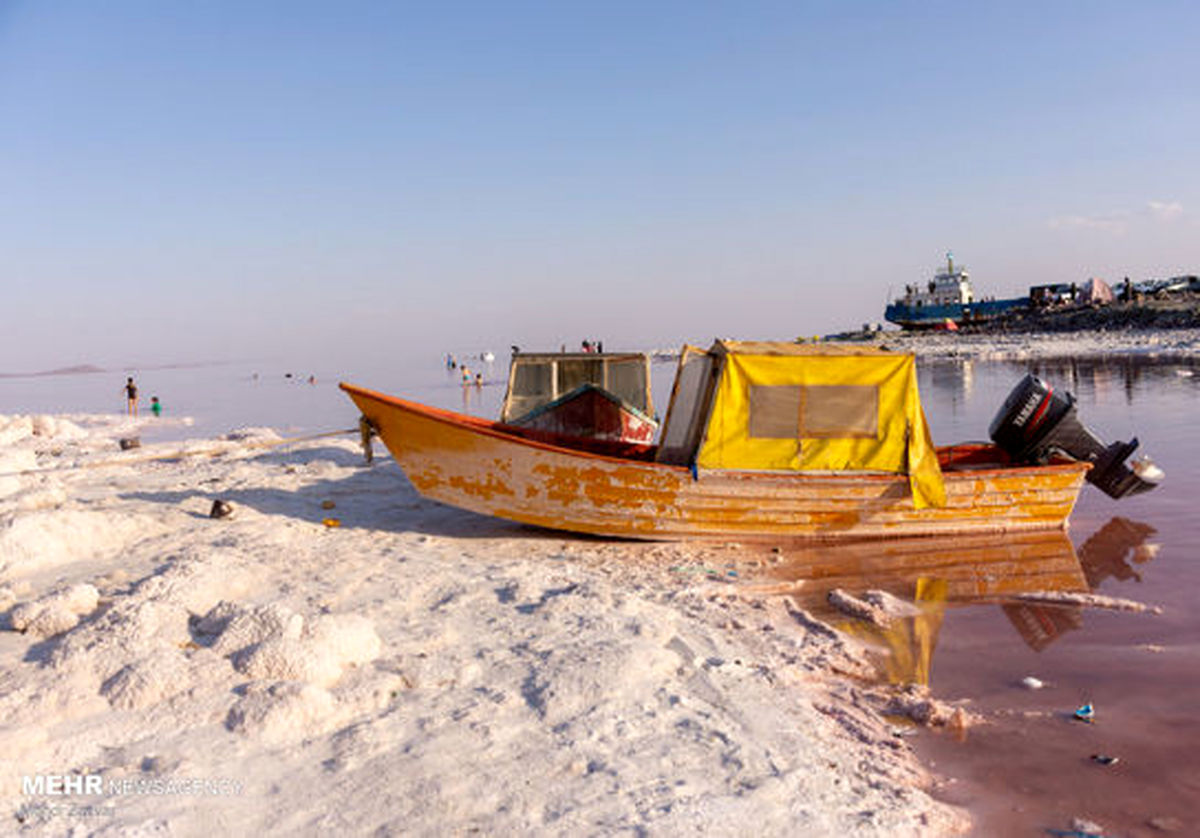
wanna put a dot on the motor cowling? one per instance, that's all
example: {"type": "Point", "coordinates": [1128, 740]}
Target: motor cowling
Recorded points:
{"type": "Point", "coordinates": [1037, 422]}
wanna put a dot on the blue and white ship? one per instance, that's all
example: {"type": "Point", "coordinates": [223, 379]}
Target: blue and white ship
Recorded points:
{"type": "Point", "coordinates": [945, 299]}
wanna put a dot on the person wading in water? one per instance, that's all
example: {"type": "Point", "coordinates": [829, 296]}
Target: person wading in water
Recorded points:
{"type": "Point", "coordinates": [130, 397]}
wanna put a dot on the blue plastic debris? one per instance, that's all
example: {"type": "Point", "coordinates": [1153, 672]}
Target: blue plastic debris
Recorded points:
{"type": "Point", "coordinates": [1086, 713]}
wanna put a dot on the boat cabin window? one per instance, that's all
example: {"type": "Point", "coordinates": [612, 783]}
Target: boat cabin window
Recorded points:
{"type": "Point", "coordinates": [572, 374]}
{"type": "Point", "coordinates": [814, 412]}
{"type": "Point", "coordinates": [629, 382]}
{"type": "Point", "coordinates": [538, 379]}
{"type": "Point", "coordinates": [533, 386]}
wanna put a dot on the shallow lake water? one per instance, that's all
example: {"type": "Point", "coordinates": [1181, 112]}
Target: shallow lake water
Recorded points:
{"type": "Point", "coordinates": [1030, 767]}
{"type": "Point", "coordinates": [218, 398]}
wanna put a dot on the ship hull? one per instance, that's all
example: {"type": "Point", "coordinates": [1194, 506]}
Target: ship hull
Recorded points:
{"type": "Point", "coordinates": [961, 314]}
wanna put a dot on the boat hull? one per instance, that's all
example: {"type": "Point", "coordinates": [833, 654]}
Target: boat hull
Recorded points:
{"type": "Point", "coordinates": [961, 314]}
{"type": "Point", "coordinates": [485, 467]}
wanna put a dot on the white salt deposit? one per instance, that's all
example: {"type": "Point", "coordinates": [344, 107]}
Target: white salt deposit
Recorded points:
{"type": "Point", "coordinates": [418, 670]}
{"type": "Point", "coordinates": [55, 612]}
{"type": "Point", "coordinates": [317, 654]}
{"type": "Point", "coordinates": [57, 427]}
{"type": "Point", "coordinates": [252, 435]}
{"type": "Point", "coordinates": [12, 462]}
{"type": "Point", "coordinates": [239, 630]}
{"type": "Point", "coordinates": [276, 712]}
{"type": "Point", "coordinates": [14, 429]}
{"type": "Point", "coordinates": [37, 538]}
{"type": "Point", "coordinates": [1173, 343]}
{"type": "Point", "coordinates": [147, 681]}
{"type": "Point", "coordinates": [350, 639]}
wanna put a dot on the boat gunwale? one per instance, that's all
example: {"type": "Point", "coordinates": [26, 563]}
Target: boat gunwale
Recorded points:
{"type": "Point", "coordinates": [497, 431]}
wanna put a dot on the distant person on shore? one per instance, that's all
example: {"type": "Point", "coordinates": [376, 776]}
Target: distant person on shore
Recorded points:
{"type": "Point", "coordinates": [478, 379]}
{"type": "Point", "coordinates": [130, 397]}
{"type": "Point", "coordinates": [155, 406]}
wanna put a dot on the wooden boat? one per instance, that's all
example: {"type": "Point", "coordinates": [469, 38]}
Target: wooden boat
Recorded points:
{"type": "Point", "coordinates": [582, 394]}
{"type": "Point", "coordinates": [761, 440]}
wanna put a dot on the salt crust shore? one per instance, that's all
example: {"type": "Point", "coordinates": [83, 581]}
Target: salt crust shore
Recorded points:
{"type": "Point", "coordinates": [1165, 344]}
{"type": "Point", "coordinates": [416, 670]}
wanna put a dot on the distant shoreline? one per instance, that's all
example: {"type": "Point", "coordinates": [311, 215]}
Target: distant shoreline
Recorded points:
{"type": "Point", "coordinates": [92, 369]}
{"type": "Point", "coordinates": [1166, 328]}
{"type": "Point", "coordinates": [82, 369]}
{"type": "Point", "coordinates": [1165, 344]}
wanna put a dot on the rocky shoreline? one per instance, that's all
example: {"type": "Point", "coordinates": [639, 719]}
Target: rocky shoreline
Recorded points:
{"type": "Point", "coordinates": [1168, 313]}
{"type": "Point", "coordinates": [1164, 329]}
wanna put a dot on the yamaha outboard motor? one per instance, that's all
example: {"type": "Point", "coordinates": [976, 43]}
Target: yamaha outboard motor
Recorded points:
{"type": "Point", "coordinates": [1036, 422]}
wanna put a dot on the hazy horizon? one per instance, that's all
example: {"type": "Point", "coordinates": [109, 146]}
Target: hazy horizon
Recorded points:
{"type": "Point", "coordinates": [312, 182]}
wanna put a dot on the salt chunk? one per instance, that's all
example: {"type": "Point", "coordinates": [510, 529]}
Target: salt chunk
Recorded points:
{"type": "Point", "coordinates": [328, 644]}
{"type": "Point", "coordinates": [287, 659]}
{"type": "Point", "coordinates": [147, 681]}
{"type": "Point", "coordinates": [246, 628]}
{"type": "Point", "coordinates": [350, 638]}
{"type": "Point", "coordinates": [15, 429]}
{"type": "Point", "coordinates": [55, 613]}
{"type": "Point", "coordinates": [279, 711]}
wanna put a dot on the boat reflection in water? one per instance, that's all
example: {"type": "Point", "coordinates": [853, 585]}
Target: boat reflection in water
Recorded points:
{"type": "Point", "coordinates": [937, 573]}
{"type": "Point", "coordinates": [1105, 554]}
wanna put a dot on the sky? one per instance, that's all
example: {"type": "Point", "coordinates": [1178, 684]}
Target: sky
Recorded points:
{"type": "Point", "coordinates": [194, 181]}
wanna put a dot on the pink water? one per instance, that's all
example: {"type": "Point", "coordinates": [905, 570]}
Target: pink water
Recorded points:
{"type": "Point", "coordinates": [1029, 769]}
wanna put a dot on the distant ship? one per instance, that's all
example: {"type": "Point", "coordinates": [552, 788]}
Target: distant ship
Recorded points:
{"type": "Point", "coordinates": [946, 299]}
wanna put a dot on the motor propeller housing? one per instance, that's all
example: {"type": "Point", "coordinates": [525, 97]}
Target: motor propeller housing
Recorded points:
{"type": "Point", "coordinates": [1037, 422]}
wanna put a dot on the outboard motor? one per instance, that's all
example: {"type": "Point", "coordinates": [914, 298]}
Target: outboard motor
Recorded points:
{"type": "Point", "coordinates": [1036, 422]}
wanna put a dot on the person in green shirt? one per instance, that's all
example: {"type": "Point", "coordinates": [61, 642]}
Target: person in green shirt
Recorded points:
{"type": "Point", "coordinates": [155, 406]}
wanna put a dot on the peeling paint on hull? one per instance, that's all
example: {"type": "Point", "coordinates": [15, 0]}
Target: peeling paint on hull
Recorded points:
{"type": "Point", "coordinates": [480, 466]}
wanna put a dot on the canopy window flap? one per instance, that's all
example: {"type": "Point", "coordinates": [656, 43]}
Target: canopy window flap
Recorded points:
{"type": "Point", "coordinates": [814, 412]}
{"type": "Point", "coordinates": [774, 411]}
{"type": "Point", "coordinates": [831, 411]}
{"type": "Point", "coordinates": [687, 412]}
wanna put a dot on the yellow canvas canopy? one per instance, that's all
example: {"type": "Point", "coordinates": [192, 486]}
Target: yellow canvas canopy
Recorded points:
{"type": "Point", "coordinates": [781, 406]}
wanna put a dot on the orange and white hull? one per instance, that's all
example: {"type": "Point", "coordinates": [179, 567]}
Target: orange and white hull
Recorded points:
{"type": "Point", "coordinates": [494, 469]}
